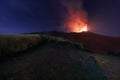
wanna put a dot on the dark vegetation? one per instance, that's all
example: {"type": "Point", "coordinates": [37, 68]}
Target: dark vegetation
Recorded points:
{"type": "Point", "coordinates": [11, 45]}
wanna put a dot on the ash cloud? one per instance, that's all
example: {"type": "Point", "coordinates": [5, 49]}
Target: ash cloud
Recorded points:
{"type": "Point", "coordinates": [74, 16]}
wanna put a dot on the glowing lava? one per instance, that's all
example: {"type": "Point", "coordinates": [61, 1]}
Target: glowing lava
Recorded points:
{"type": "Point", "coordinates": [84, 29]}
{"type": "Point", "coordinates": [80, 29]}
{"type": "Point", "coordinates": [75, 17]}
{"type": "Point", "coordinates": [76, 22]}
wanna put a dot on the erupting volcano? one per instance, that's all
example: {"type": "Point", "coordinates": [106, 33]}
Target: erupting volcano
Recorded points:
{"type": "Point", "coordinates": [75, 19]}
{"type": "Point", "coordinates": [76, 23]}
{"type": "Point", "coordinates": [84, 29]}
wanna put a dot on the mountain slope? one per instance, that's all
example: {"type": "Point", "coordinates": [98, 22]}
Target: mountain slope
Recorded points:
{"type": "Point", "coordinates": [92, 42]}
{"type": "Point", "coordinates": [57, 59]}
{"type": "Point", "coordinates": [54, 59]}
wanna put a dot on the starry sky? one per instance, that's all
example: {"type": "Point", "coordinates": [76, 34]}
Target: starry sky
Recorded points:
{"type": "Point", "coordinates": [24, 16]}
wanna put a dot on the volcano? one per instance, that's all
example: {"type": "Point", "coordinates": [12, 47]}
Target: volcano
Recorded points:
{"type": "Point", "coordinates": [91, 41]}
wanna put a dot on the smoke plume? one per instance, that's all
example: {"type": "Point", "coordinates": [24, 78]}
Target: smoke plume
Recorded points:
{"type": "Point", "coordinates": [75, 17]}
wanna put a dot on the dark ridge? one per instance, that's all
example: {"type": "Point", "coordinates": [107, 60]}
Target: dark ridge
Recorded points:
{"type": "Point", "coordinates": [93, 42]}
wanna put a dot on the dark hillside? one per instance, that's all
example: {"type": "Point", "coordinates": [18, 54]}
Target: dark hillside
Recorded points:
{"type": "Point", "coordinates": [92, 42]}
{"type": "Point", "coordinates": [56, 59]}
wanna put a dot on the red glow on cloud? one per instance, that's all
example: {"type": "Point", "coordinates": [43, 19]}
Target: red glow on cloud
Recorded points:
{"type": "Point", "coordinates": [76, 18]}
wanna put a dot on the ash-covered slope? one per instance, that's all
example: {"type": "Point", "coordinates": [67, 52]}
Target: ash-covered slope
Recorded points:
{"type": "Point", "coordinates": [92, 41]}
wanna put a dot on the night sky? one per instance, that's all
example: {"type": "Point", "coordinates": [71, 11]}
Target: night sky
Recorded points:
{"type": "Point", "coordinates": [24, 16]}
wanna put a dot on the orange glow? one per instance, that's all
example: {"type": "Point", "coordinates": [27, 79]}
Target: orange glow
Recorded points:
{"type": "Point", "coordinates": [84, 29]}
{"type": "Point", "coordinates": [76, 22]}
{"type": "Point", "coordinates": [79, 28]}
{"type": "Point", "coordinates": [75, 17]}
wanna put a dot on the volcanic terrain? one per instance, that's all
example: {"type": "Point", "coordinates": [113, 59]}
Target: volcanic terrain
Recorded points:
{"type": "Point", "coordinates": [59, 56]}
{"type": "Point", "coordinates": [91, 41]}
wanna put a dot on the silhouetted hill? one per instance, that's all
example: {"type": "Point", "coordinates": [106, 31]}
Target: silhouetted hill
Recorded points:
{"type": "Point", "coordinates": [93, 42]}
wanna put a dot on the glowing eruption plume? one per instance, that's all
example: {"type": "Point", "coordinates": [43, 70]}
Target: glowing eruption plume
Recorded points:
{"type": "Point", "coordinates": [84, 29]}
{"type": "Point", "coordinates": [75, 18]}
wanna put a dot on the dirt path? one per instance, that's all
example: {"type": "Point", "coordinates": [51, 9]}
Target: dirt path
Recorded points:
{"type": "Point", "coordinates": [51, 60]}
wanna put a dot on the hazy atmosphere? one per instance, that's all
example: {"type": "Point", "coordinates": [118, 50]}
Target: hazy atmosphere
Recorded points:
{"type": "Point", "coordinates": [24, 16]}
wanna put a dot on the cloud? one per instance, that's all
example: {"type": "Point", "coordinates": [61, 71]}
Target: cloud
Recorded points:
{"type": "Point", "coordinates": [74, 16]}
